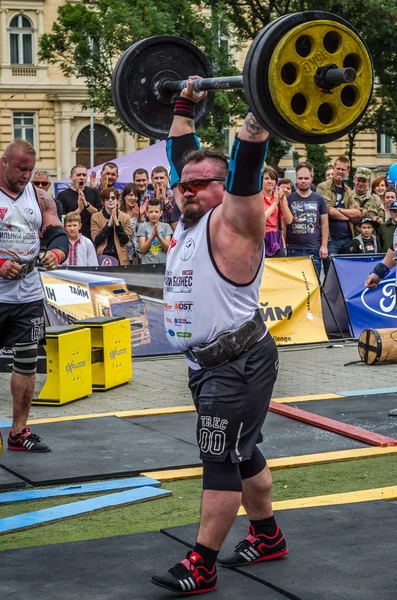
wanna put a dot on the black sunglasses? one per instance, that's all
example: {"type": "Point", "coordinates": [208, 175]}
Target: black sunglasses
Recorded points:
{"type": "Point", "coordinates": [196, 185]}
{"type": "Point", "coordinates": [41, 183]}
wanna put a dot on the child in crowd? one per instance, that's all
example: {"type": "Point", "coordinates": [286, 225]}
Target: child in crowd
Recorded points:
{"type": "Point", "coordinates": [154, 236]}
{"type": "Point", "coordinates": [286, 185]}
{"type": "Point", "coordinates": [387, 229]}
{"type": "Point", "coordinates": [81, 249]}
{"type": "Point", "coordinates": [366, 242]}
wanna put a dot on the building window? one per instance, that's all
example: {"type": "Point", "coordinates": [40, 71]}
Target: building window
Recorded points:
{"type": "Point", "coordinates": [21, 41]}
{"type": "Point", "coordinates": [24, 126]}
{"type": "Point", "coordinates": [384, 144]}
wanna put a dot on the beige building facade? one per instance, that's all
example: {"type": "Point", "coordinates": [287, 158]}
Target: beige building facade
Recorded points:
{"type": "Point", "coordinates": [41, 105]}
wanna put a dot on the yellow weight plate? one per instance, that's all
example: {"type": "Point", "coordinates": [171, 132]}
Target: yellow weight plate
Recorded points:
{"type": "Point", "coordinates": [293, 65]}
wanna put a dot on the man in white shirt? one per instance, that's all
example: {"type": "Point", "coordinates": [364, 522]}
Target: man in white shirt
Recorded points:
{"type": "Point", "coordinates": [81, 249]}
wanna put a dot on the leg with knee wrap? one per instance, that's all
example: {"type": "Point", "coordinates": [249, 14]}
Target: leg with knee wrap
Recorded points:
{"type": "Point", "coordinates": [222, 476]}
{"type": "Point", "coordinates": [256, 464]}
{"type": "Point", "coordinates": [25, 358]}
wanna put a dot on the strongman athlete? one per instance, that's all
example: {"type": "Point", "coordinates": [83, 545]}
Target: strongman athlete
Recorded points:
{"type": "Point", "coordinates": [24, 212]}
{"type": "Point", "coordinates": [211, 289]}
{"type": "Point", "coordinates": [380, 271]}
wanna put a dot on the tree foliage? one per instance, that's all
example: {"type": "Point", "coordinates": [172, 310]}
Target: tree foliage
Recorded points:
{"type": "Point", "coordinates": [88, 37]}
{"type": "Point", "coordinates": [375, 21]}
{"type": "Point", "coordinates": [317, 155]}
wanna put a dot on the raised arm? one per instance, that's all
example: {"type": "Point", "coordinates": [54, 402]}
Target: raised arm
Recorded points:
{"type": "Point", "coordinates": [182, 137]}
{"type": "Point", "coordinates": [242, 207]}
{"type": "Point", "coordinates": [54, 239]}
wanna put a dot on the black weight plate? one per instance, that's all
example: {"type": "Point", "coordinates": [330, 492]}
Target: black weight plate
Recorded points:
{"type": "Point", "coordinates": [144, 63]}
{"type": "Point", "coordinates": [255, 76]}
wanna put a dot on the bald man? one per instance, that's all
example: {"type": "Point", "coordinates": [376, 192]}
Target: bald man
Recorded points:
{"type": "Point", "coordinates": [25, 211]}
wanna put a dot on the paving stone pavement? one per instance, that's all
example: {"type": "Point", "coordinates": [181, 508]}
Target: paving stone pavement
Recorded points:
{"type": "Point", "coordinates": [162, 381]}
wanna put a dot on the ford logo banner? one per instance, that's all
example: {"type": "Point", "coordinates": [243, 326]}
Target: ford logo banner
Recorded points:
{"type": "Point", "coordinates": [367, 309]}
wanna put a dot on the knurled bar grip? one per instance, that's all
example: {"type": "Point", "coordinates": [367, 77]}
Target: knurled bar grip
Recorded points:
{"type": "Point", "coordinates": [333, 77]}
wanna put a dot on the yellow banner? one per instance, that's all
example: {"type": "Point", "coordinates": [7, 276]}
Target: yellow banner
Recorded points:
{"type": "Point", "coordinates": [291, 300]}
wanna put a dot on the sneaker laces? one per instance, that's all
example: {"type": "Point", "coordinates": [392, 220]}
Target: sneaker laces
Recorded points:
{"type": "Point", "coordinates": [244, 545]}
{"type": "Point", "coordinates": [180, 571]}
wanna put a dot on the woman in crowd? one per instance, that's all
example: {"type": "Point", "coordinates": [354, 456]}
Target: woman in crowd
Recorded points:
{"type": "Point", "coordinates": [111, 228]}
{"type": "Point", "coordinates": [277, 213]}
{"type": "Point", "coordinates": [130, 206]}
{"type": "Point", "coordinates": [379, 186]}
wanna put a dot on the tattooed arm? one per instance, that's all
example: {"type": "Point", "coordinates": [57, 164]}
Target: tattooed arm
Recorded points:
{"type": "Point", "coordinates": [50, 219]}
{"type": "Point", "coordinates": [243, 205]}
{"type": "Point", "coordinates": [252, 131]}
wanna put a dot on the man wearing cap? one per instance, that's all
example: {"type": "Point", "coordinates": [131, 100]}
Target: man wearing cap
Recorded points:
{"type": "Point", "coordinates": [370, 204]}
{"type": "Point", "coordinates": [366, 242]}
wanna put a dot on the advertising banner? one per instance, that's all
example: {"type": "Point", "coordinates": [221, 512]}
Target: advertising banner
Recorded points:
{"type": "Point", "coordinates": [291, 300]}
{"type": "Point", "coordinates": [367, 309]}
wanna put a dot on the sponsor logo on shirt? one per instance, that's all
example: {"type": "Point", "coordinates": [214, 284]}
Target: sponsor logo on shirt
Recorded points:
{"type": "Point", "coordinates": [181, 284]}
{"type": "Point", "coordinates": [172, 244]}
{"type": "Point", "coordinates": [168, 320]}
{"type": "Point", "coordinates": [182, 321]}
{"type": "Point", "coordinates": [171, 332]}
{"type": "Point", "coordinates": [185, 306]}
{"type": "Point", "coordinates": [3, 212]}
{"type": "Point", "coordinates": [187, 249]}
{"type": "Point", "coordinates": [184, 334]}
{"type": "Point", "coordinates": [167, 306]}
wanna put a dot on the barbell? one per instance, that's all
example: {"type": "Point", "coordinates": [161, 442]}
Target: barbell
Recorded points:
{"type": "Point", "coordinates": [308, 78]}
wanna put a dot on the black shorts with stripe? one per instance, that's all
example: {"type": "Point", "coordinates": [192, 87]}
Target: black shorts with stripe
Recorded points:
{"type": "Point", "coordinates": [232, 402]}
{"type": "Point", "coordinates": [21, 323]}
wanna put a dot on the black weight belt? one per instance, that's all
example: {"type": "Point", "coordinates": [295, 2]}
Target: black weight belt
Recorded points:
{"type": "Point", "coordinates": [25, 270]}
{"type": "Point", "coordinates": [229, 345]}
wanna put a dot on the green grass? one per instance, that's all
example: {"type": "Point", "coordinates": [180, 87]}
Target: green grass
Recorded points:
{"type": "Point", "coordinates": [184, 505]}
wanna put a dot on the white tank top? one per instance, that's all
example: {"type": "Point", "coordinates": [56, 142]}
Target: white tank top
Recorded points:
{"type": "Point", "coordinates": [199, 302]}
{"type": "Point", "coordinates": [20, 223]}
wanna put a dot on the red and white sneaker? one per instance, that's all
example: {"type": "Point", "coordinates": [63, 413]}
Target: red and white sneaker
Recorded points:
{"type": "Point", "coordinates": [256, 548]}
{"type": "Point", "coordinates": [27, 441]}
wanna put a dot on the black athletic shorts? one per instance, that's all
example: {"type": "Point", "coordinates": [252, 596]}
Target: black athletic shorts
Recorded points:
{"type": "Point", "coordinates": [232, 402]}
{"type": "Point", "coordinates": [21, 323]}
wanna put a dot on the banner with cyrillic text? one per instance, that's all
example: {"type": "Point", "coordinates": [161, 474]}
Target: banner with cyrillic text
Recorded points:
{"type": "Point", "coordinates": [291, 300]}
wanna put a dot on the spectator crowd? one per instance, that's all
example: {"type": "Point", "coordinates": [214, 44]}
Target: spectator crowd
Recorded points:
{"type": "Point", "coordinates": [135, 226]}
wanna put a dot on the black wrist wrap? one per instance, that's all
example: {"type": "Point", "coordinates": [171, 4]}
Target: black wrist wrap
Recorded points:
{"type": "Point", "coordinates": [246, 166]}
{"type": "Point", "coordinates": [177, 147]}
{"type": "Point", "coordinates": [184, 108]}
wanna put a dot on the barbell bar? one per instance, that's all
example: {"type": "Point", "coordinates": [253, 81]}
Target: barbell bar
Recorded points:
{"type": "Point", "coordinates": [332, 78]}
{"type": "Point", "coordinates": [307, 77]}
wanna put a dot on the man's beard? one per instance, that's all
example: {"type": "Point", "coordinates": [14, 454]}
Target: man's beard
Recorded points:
{"type": "Point", "coordinates": [190, 217]}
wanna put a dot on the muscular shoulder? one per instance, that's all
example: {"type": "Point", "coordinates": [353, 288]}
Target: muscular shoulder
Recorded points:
{"type": "Point", "coordinates": [46, 202]}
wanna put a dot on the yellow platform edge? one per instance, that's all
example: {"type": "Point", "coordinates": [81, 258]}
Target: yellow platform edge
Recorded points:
{"type": "Point", "coordinates": [283, 463]}
{"type": "Point", "coordinates": [147, 412]}
{"type": "Point", "coordinates": [386, 493]}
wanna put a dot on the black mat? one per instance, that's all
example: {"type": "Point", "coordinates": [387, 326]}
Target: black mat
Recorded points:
{"type": "Point", "coordinates": [87, 449]}
{"type": "Point", "coordinates": [282, 436]}
{"type": "Point", "coordinates": [368, 412]}
{"type": "Point", "coordinates": [8, 481]}
{"type": "Point", "coordinates": [117, 568]}
{"type": "Point", "coordinates": [345, 552]}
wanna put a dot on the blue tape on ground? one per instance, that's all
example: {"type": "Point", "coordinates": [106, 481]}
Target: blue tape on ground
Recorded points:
{"type": "Point", "coordinates": [78, 489]}
{"type": "Point", "coordinates": [5, 424]}
{"type": "Point", "coordinates": [79, 508]}
{"type": "Point", "coordinates": [391, 390]}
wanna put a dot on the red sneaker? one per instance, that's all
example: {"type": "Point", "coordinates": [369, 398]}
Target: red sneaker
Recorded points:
{"type": "Point", "coordinates": [256, 548]}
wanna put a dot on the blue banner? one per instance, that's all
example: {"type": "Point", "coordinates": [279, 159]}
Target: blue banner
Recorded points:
{"type": "Point", "coordinates": [367, 309]}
